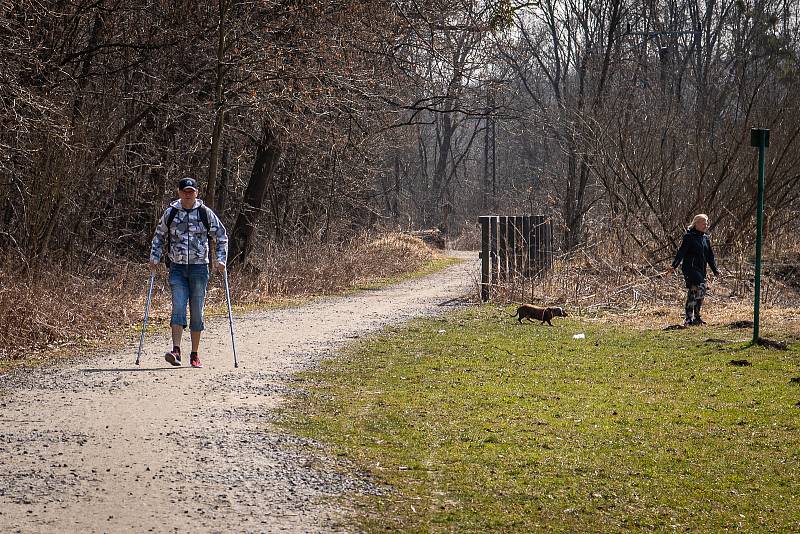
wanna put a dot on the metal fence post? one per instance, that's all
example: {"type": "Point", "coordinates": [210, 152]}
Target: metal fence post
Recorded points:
{"type": "Point", "coordinates": [759, 137]}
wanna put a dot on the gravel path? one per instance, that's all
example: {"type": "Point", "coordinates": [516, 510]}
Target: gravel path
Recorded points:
{"type": "Point", "coordinates": [103, 446]}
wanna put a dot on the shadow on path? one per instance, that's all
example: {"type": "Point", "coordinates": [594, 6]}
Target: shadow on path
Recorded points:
{"type": "Point", "coordinates": [135, 369]}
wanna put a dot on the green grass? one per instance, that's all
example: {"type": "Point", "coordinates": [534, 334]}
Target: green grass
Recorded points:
{"type": "Point", "coordinates": [477, 424]}
{"type": "Point", "coordinates": [221, 309]}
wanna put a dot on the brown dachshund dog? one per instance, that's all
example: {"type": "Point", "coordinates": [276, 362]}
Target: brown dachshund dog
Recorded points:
{"type": "Point", "coordinates": [529, 312]}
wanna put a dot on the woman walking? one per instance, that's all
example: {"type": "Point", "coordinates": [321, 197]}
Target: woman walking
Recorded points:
{"type": "Point", "coordinates": [695, 252]}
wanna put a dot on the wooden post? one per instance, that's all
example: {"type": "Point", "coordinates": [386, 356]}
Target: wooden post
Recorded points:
{"type": "Point", "coordinates": [520, 237]}
{"type": "Point", "coordinates": [538, 243]}
{"type": "Point", "coordinates": [532, 246]}
{"type": "Point", "coordinates": [526, 244]}
{"type": "Point", "coordinates": [543, 244]}
{"type": "Point", "coordinates": [547, 260]}
{"type": "Point", "coordinates": [503, 236]}
{"type": "Point", "coordinates": [495, 264]}
{"type": "Point", "coordinates": [512, 241]}
{"type": "Point", "coordinates": [484, 222]}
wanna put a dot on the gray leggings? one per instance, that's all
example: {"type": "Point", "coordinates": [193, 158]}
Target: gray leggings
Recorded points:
{"type": "Point", "coordinates": [695, 293]}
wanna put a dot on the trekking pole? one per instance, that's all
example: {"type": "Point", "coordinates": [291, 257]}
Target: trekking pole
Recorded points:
{"type": "Point", "coordinates": [230, 317]}
{"type": "Point", "coordinates": [146, 313]}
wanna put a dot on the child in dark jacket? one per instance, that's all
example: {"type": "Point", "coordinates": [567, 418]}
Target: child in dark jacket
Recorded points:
{"type": "Point", "coordinates": [695, 252]}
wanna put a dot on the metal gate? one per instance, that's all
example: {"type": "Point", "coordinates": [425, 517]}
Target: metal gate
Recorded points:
{"type": "Point", "coordinates": [514, 246]}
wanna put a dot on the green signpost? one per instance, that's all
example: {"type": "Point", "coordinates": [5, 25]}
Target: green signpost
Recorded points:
{"type": "Point", "coordinates": [759, 137]}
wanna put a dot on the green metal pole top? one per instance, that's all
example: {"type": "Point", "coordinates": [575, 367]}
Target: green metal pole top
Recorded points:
{"type": "Point", "coordinates": [759, 137]}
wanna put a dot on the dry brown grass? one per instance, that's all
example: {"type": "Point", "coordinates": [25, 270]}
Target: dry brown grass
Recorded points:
{"type": "Point", "coordinates": [54, 312]}
{"type": "Point", "coordinates": [54, 308]}
{"type": "Point", "coordinates": [304, 271]}
{"type": "Point", "coordinates": [600, 287]}
{"type": "Point", "coordinates": [468, 239]}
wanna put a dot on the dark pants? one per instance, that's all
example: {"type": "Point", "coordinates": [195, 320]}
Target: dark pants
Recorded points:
{"type": "Point", "coordinates": [695, 293]}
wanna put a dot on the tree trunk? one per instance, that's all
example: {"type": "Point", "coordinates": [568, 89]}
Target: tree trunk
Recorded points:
{"type": "Point", "coordinates": [86, 65]}
{"type": "Point", "coordinates": [568, 207]}
{"type": "Point", "coordinates": [219, 104]}
{"type": "Point", "coordinates": [222, 186]}
{"type": "Point", "coordinates": [243, 234]}
{"type": "Point", "coordinates": [440, 170]}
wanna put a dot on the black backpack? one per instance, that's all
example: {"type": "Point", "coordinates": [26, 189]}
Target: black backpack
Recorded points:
{"type": "Point", "coordinates": [173, 212]}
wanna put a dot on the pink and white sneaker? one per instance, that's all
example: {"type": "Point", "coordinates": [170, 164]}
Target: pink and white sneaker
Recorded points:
{"type": "Point", "coordinates": [173, 356]}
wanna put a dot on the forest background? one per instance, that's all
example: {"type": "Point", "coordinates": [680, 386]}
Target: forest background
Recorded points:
{"type": "Point", "coordinates": [314, 126]}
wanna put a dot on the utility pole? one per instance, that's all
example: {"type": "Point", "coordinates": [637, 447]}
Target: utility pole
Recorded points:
{"type": "Point", "coordinates": [664, 57]}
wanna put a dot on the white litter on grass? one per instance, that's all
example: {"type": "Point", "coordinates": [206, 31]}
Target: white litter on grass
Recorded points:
{"type": "Point", "coordinates": [579, 336]}
{"type": "Point", "coordinates": [442, 331]}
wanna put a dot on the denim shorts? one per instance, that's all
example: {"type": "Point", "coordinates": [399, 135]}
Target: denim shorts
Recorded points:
{"type": "Point", "coordinates": [188, 283]}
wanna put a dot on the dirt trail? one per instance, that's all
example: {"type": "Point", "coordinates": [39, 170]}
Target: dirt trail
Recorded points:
{"type": "Point", "coordinates": [103, 446]}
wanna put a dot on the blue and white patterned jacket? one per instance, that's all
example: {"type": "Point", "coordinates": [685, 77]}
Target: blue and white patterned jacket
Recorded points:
{"type": "Point", "coordinates": [188, 238]}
